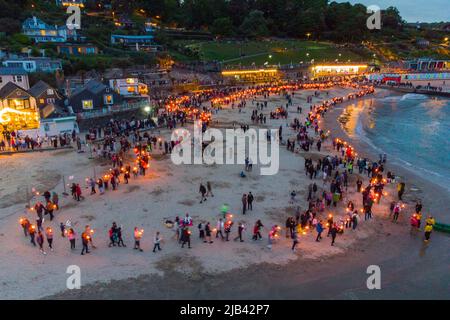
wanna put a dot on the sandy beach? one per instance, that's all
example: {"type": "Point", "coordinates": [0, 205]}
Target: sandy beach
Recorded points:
{"type": "Point", "coordinates": [169, 190]}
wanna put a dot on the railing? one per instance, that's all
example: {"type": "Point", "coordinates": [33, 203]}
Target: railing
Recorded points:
{"type": "Point", "coordinates": [114, 109]}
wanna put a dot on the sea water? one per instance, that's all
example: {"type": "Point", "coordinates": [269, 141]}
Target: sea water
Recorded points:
{"type": "Point", "coordinates": [412, 129]}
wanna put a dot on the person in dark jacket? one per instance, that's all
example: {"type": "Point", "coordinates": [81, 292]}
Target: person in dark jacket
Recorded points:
{"type": "Point", "coordinates": [250, 199]}
{"type": "Point", "coordinates": [186, 238]}
{"type": "Point", "coordinates": [207, 233]}
{"type": "Point", "coordinates": [330, 224]}
{"type": "Point", "coordinates": [202, 191]}
{"type": "Point", "coordinates": [119, 237]}
{"type": "Point", "coordinates": [333, 232]}
{"type": "Point", "coordinates": [295, 240]}
{"type": "Point", "coordinates": [244, 203]}
{"type": "Point", "coordinates": [240, 230]}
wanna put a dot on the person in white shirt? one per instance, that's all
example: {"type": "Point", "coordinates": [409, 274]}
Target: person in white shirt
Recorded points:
{"type": "Point", "coordinates": [157, 242]}
{"type": "Point", "coordinates": [219, 230]}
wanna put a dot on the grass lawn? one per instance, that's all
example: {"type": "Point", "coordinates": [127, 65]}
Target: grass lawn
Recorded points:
{"type": "Point", "coordinates": [273, 52]}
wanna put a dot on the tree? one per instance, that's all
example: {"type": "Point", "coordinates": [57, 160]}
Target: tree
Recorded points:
{"type": "Point", "coordinates": [222, 26]}
{"type": "Point", "coordinates": [391, 18]}
{"type": "Point", "coordinates": [254, 25]}
{"type": "Point", "coordinates": [9, 26]}
{"type": "Point", "coordinates": [21, 39]}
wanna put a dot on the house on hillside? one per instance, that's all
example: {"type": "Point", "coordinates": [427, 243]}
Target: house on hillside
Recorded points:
{"type": "Point", "coordinates": [150, 26]}
{"type": "Point", "coordinates": [48, 100]}
{"type": "Point", "coordinates": [68, 3]}
{"type": "Point", "coordinates": [17, 76]}
{"type": "Point", "coordinates": [76, 48]}
{"type": "Point", "coordinates": [124, 22]}
{"type": "Point", "coordinates": [422, 43]}
{"type": "Point", "coordinates": [35, 64]}
{"type": "Point", "coordinates": [128, 87]}
{"type": "Point", "coordinates": [18, 108]}
{"type": "Point", "coordinates": [137, 42]}
{"type": "Point", "coordinates": [94, 95]}
{"type": "Point", "coordinates": [39, 31]}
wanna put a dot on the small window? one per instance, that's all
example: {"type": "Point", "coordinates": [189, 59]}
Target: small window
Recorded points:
{"type": "Point", "coordinates": [87, 104]}
{"type": "Point", "coordinates": [18, 78]}
{"type": "Point", "coordinates": [131, 89]}
{"type": "Point", "coordinates": [1, 79]}
{"type": "Point", "coordinates": [108, 99]}
{"type": "Point", "coordinates": [50, 92]}
{"type": "Point", "coordinates": [41, 101]}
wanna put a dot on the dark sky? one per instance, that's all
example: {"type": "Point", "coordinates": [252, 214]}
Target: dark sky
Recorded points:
{"type": "Point", "coordinates": [413, 10]}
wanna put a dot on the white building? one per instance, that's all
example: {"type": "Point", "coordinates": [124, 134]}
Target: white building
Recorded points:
{"type": "Point", "coordinates": [17, 76]}
{"type": "Point", "coordinates": [128, 87]}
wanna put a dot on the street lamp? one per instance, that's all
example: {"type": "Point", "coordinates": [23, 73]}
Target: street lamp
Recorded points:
{"type": "Point", "coordinates": [147, 109]}
{"type": "Point", "coordinates": [307, 54]}
{"type": "Point", "coordinates": [308, 35]}
{"type": "Point", "coordinates": [270, 56]}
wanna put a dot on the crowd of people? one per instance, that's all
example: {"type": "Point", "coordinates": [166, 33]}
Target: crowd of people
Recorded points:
{"type": "Point", "coordinates": [120, 138]}
{"type": "Point", "coordinates": [15, 141]}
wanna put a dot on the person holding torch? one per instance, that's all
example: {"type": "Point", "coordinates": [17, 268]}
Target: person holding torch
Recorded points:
{"type": "Point", "coordinates": [85, 238]}
{"type": "Point", "coordinates": [25, 223]}
{"type": "Point", "coordinates": [137, 238]}
{"type": "Point", "coordinates": [49, 235]}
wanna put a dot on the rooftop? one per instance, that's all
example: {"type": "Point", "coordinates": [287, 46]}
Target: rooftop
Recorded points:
{"type": "Point", "coordinates": [10, 87]}
{"type": "Point", "coordinates": [38, 88]}
{"type": "Point", "coordinates": [6, 71]}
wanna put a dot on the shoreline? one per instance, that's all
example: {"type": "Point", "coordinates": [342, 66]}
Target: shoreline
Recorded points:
{"type": "Point", "coordinates": [276, 274]}
{"type": "Point", "coordinates": [426, 189]}
{"type": "Point", "coordinates": [145, 281]}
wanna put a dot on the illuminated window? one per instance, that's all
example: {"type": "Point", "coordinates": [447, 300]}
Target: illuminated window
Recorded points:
{"type": "Point", "coordinates": [43, 33]}
{"type": "Point", "coordinates": [131, 89]}
{"type": "Point", "coordinates": [108, 99]}
{"type": "Point", "coordinates": [19, 104]}
{"type": "Point", "coordinates": [130, 80]}
{"type": "Point", "coordinates": [87, 104]}
{"type": "Point", "coordinates": [41, 101]}
{"type": "Point", "coordinates": [50, 91]}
